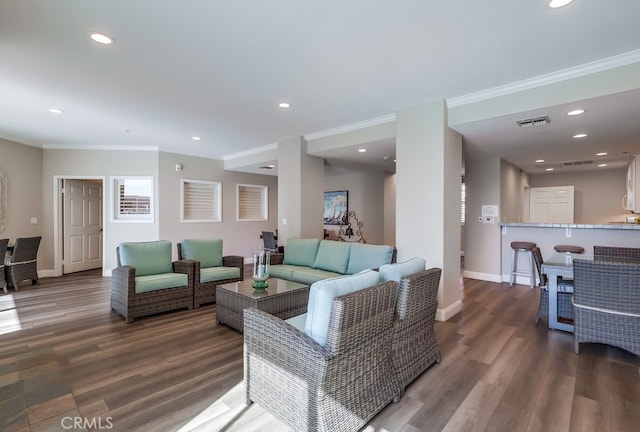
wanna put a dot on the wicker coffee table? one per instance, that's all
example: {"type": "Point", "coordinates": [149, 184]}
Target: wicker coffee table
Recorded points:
{"type": "Point", "coordinates": [283, 298]}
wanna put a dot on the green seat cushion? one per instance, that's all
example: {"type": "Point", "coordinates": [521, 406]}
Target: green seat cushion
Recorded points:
{"type": "Point", "coordinates": [333, 256]}
{"type": "Point", "coordinates": [283, 271]}
{"type": "Point", "coordinates": [308, 276]}
{"type": "Point", "coordinates": [160, 281]}
{"type": "Point", "coordinates": [321, 295]}
{"type": "Point", "coordinates": [207, 251]}
{"type": "Point", "coordinates": [301, 252]}
{"type": "Point", "coordinates": [395, 272]}
{"type": "Point", "coordinates": [366, 256]}
{"type": "Point", "coordinates": [148, 258]}
{"type": "Point", "coordinates": [218, 273]}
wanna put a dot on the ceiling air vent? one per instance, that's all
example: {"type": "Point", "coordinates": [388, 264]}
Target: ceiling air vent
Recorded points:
{"type": "Point", "coordinates": [535, 121]}
{"type": "Point", "coordinates": [573, 163]}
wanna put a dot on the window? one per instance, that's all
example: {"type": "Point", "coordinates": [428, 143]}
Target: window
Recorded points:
{"type": "Point", "coordinates": [201, 201]}
{"type": "Point", "coordinates": [253, 203]}
{"type": "Point", "coordinates": [132, 199]}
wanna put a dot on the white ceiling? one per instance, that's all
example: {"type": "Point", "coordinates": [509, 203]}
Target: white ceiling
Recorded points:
{"type": "Point", "coordinates": [217, 69]}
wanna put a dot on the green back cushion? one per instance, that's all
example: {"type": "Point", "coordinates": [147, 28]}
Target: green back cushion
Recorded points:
{"type": "Point", "coordinates": [208, 252]}
{"type": "Point", "coordinates": [365, 256]}
{"type": "Point", "coordinates": [321, 295]}
{"type": "Point", "coordinates": [148, 258]}
{"type": "Point", "coordinates": [301, 252]}
{"type": "Point", "coordinates": [333, 256]}
{"type": "Point", "coordinates": [395, 272]}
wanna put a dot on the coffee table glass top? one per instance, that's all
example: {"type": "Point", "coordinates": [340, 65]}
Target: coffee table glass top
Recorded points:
{"type": "Point", "coordinates": [276, 286]}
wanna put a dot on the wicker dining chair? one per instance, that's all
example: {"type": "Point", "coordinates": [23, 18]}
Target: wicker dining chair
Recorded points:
{"type": "Point", "coordinates": [606, 300]}
{"type": "Point", "coordinates": [337, 387]}
{"type": "Point", "coordinates": [616, 253]}
{"type": "Point", "coordinates": [3, 253]}
{"type": "Point", "coordinates": [565, 292]}
{"type": "Point", "coordinates": [22, 263]}
{"type": "Point", "coordinates": [415, 346]}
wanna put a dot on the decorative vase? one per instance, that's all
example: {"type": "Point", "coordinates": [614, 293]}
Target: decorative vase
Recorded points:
{"type": "Point", "coordinates": [260, 274]}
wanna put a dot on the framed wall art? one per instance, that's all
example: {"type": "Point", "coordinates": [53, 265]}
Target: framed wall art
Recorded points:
{"type": "Point", "coordinates": [336, 207]}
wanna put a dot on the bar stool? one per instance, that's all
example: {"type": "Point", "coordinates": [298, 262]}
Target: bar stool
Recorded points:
{"type": "Point", "coordinates": [568, 249]}
{"type": "Point", "coordinates": [520, 246]}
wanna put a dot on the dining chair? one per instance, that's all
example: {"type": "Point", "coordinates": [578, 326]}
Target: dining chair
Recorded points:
{"type": "Point", "coordinates": [607, 304]}
{"type": "Point", "coordinates": [269, 241]}
{"type": "Point", "coordinates": [565, 292]}
{"type": "Point", "coordinates": [3, 253]}
{"type": "Point", "coordinates": [22, 264]}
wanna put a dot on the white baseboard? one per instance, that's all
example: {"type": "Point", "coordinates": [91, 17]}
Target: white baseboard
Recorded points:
{"type": "Point", "coordinates": [448, 312]}
{"type": "Point", "coordinates": [48, 273]}
{"type": "Point", "coordinates": [483, 276]}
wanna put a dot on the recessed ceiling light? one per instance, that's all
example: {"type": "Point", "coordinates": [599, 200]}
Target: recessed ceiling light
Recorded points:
{"type": "Point", "coordinates": [56, 110]}
{"type": "Point", "coordinates": [580, 135]}
{"type": "Point", "coordinates": [362, 150]}
{"type": "Point", "coordinates": [102, 38]}
{"type": "Point", "coordinates": [549, 169]}
{"type": "Point", "coordinates": [558, 3]}
{"type": "Point", "coordinates": [284, 105]}
{"type": "Point", "coordinates": [539, 160]}
{"type": "Point", "coordinates": [602, 165]}
{"type": "Point", "coordinates": [196, 138]}
{"type": "Point", "coordinates": [601, 154]}
{"type": "Point", "coordinates": [575, 112]}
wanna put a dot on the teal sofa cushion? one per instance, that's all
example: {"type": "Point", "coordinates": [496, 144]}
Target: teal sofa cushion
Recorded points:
{"type": "Point", "coordinates": [366, 256]}
{"type": "Point", "coordinates": [208, 252]}
{"type": "Point", "coordinates": [301, 252]}
{"type": "Point", "coordinates": [160, 281]}
{"type": "Point", "coordinates": [321, 295]}
{"type": "Point", "coordinates": [307, 276]}
{"type": "Point", "coordinates": [298, 321]}
{"type": "Point", "coordinates": [211, 274]}
{"type": "Point", "coordinates": [148, 258]}
{"type": "Point", "coordinates": [333, 256]}
{"type": "Point", "coordinates": [395, 272]}
{"type": "Point", "coordinates": [283, 271]}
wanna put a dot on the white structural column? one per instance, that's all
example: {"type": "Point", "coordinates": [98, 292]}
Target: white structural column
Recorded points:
{"type": "Point", "coordinates": [428, 177]}
{"type": "Point", "coordinates": [300, 191]}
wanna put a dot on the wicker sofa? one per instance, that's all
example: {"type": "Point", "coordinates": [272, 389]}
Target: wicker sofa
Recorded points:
{"type": "Point", "coordinates": [147, 282]}
{"type": "Point", "coordinates": [22, 262]}
{"type": "Point", "coordinates": [210, 267]}
{"type": "Point", "coordinates": [310, 260]}
{"type": "Point", "coordinates": [337, 375]}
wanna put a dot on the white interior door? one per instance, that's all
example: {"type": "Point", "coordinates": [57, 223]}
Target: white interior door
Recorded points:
{"type": "Point", "coordinates": [551, 204]}
{"type": "Point", "coordinates": [82, 249]}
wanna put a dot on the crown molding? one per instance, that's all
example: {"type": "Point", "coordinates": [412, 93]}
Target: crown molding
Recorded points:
{"type": "Point", "coordinates": [99, 147]}
{"type": "Point", "coordinates": [546, 79]}
{"type": "Point", "coordinates": [251, 152]}
{"type": "Point", "coordinates": [351, 127]}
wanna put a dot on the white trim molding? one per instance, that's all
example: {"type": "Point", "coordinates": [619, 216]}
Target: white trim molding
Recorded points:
{"type": "Point", "coordinates": [448, 312]}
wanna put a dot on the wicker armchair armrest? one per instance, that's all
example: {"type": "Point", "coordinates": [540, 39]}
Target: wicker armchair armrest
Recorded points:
{"type": "Point", "coordinates": [279, 341]}
{"type": "Point", "coordinates": [276, 258]}
{"type": "Point", "coordinates": [234, 261]}
{"type": "Point", "coordinates": [123, 280]}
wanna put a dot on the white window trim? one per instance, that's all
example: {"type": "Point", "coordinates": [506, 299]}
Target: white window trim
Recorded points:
{"type": "Point", "coordinates": [115, 217]}
{"type": "Point", "coordinates": [265, 203]}
{"type": "Point", "coordinates": [217, 187]}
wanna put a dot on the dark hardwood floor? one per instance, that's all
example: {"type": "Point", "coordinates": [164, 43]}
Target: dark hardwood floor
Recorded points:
{"type": "Point", "coordinates": [66, 360]}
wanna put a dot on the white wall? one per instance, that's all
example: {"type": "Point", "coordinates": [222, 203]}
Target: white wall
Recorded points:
{"type": "Point", "coordinates": [366, 198]}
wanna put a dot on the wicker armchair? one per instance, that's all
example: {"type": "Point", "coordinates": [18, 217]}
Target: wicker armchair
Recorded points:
{"type": "Point", "coordinates": [22, 262]}
{"type": "Point", "coordinates": [614, 253]}
{"type": "Point", "coordinates": [206, 278]}
{"type": "Point", "coordinates": [565, 292]}
{"type": "Point", "coordinates": [338, 387]}
{"type": "Point", "coordinates": [607, 304]}
{"type": "Point", "coordinates": [3, 253]}
{"type": "Point", "coordinates": [415, 346]}
{"type": "Point", "coordinates": [132, 292]}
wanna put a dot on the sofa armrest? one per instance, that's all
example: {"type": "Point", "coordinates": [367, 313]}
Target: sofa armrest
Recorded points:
{"type": "Point", "coordinates": [276, 259]}
{"type": "Point", "coordinates": [234, 261]}
{"type": "Point", "coordinates": [123, 281]}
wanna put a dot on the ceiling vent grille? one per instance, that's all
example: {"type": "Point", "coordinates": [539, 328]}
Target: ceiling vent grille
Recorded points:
{"type": "Point", "coordinates": [535, 121]}
{"type": "Point", "coordinates": [573, 163]}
